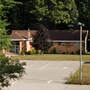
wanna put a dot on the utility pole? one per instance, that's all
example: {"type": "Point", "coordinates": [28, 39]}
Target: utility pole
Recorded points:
{"type": "Point", "coordinates": [81, 25]}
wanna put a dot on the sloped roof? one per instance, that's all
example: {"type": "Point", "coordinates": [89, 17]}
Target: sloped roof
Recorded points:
{"type": "Point", "coordinates": [22, 34]}
{"type": "Point", "coordinates": [66, 34]}
{"type": "Point", "coordinates": [53, 34]}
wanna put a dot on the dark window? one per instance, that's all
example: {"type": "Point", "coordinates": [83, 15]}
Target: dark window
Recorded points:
{"type": "Point", "coordinates": [78, 43]}
{"type": "Point", "coordinates": [59, 43]}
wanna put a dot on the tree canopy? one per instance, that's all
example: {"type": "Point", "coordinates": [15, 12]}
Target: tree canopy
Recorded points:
{"type": "Point", "coordinates": [8, 69]}
{"type": "Point", "coordinates": [54, 14]}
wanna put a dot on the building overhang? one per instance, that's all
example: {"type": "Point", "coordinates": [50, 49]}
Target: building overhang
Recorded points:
{"type": "Point", "coordinates": [29, 39]}
{"type": "Point", "coordinates": [65, 41]}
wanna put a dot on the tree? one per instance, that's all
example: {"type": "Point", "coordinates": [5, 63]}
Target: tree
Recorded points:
{"type": "Point", "coordinates": [41, 39]}
{"type": "Point", "coordinates": [9, 70]}
{"type": "Point", "coordinates": [5, 6]}
{"type": "Point", "coordinates": [83, 12]}
{"type": "Point", "coordinates": [55, 11]}
{"type": "Point", "coordinates": [4, 40]}
{"type": "Point", "coordinates": [52, 13]}
{"type": "Point", "coordinates": [88, 15]}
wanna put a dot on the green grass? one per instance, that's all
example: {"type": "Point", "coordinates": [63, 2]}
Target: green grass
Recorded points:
{"type": "Point", "coordinates": [75, 78]}
{"type": "Point", "coordinates": [58, 57]}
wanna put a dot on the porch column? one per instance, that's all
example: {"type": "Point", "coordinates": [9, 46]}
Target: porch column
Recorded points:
{"type": "Point", "coordinates": [27, 46]}
{"type": "Point", "coordinates": [20, 47]}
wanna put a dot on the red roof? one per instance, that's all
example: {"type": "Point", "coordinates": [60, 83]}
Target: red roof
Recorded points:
{"type": "Point", "coordinates": [53, 34]}
{"type": "Point", "coordinates": [22, 34]}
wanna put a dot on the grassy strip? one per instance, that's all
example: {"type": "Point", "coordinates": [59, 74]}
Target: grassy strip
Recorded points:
{"type": "Point", "coordinates": [58, 57]}
{"type": "Point", "coordinates": [75, 78]}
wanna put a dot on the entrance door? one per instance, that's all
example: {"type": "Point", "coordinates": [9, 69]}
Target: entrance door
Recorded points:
{"type": "Point", "coordinates": [15, 47]}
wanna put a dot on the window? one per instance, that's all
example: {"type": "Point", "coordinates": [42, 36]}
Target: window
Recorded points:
{"type": "Point", "coordinates": [78, 43]}
{"type": "Point", "coordinates": [59, 43]}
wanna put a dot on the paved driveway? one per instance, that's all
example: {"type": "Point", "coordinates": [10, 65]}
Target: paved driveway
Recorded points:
{"type": "Point", "coordinates": [47, 75]}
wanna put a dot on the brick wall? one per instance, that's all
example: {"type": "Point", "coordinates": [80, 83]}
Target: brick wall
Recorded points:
{"type": "Point", "coordinates": [65, 47]}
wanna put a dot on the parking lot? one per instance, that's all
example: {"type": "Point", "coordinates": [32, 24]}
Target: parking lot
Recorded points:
{"type": "Point", "coordinates": [47, 75]}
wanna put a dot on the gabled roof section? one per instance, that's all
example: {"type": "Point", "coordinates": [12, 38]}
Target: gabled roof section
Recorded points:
{"type": "Point", "coordinates": [22, 34]}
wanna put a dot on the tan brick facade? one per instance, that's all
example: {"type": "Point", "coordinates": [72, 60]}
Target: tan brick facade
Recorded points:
{"type": "Point", "coordinates": [65, 47]}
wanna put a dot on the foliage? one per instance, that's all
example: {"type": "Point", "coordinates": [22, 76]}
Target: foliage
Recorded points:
{"type": "Point", "coordinates": [75, 78]}
{"type": "Point", "coordinates": [23, 52]}
{"type": "Point", "coordinates": [54, 51]}
{"type": "Point", "coordinates": [55, 11]}
{"type": "Point", "coordinates": [4, 40]}
{"type": "Point", "coordinates": [32, 52]}
{"type": "Point", "coordinates": [46, 52]}
{"type": "Point", "coordinates": [5, 6]}
{"type": "Point", "coordinates": [83, 10]}
{"type": "Point", "coordinates": [55, 14]}
{"type": "Point", "coordinates": [9, 69]}
{"type": "Point", "coordinates": [52, 13]}
{"type": "Point", "coordinates": [41, 39]}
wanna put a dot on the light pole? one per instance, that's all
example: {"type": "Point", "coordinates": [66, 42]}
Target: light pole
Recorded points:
{"type": "Point", "coordinates": [81, 25]}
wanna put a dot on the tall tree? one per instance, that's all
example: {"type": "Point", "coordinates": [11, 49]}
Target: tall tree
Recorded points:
{"type": "Point", "coordinates": [83, 12]}
{"type": "Point", "coordinates": [55, 11]}
{"type": "Point", "coordinates": [4, 40]}
{"type": "Point", "coordinates": [5, 5]}
{"type": "Point", "coordinates": [88, 15]}
{"type": "Point", "coordinates": [8, 69]}
{"type": "Point", "coordinates": [41, 39]}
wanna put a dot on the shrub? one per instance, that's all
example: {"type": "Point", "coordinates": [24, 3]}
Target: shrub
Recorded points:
{"type": "Point", "coordinates": [88, 53]}
{"type": "Point", "coordinates": [54, 51]}
{"type": "Point", "coordinates": [23, 52]}
{"type": "Point", "coordinates": [29, 52]}
{"type": "Point", "coordinates": [45, 51]}
{"type": "Point", "coordinates": [9, 69]}
{"type": "Point", "coordinates": [32, 52]}
{"type": "Point", "coordinates": [38, 51]}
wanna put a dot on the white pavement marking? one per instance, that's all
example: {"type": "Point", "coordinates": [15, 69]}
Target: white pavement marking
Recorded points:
{"type": "Point", "coordinates": [65, 67]}
{"type": "Point", "coordinates": [50, 81]}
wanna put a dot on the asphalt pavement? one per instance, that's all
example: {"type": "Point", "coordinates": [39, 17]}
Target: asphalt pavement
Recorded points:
{"type": "Point", "coordinates": [47, 75]}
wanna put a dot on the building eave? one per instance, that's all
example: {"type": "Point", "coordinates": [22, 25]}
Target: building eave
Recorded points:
{"type": "Point", "coordinates": [65, 41]}
{"type": "Point", "coordinates": [29, 39]}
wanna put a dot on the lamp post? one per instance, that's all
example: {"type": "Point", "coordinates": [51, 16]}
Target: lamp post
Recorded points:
{"type": "Point", "coordinates": [81, 25]}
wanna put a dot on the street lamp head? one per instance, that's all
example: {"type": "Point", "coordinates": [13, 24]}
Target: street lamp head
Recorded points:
{"type": "Point", "coordinates": [81, 24]}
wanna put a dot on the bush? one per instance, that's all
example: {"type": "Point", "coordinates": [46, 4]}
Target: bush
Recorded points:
{"type": "Point", "coordinates": [9, 69]}
{"type": "Point", "coordinates": [38, 51]}
{"type": "Point", "coordinates": [45, 51]}
{"type": "Point", "coordinates": [23, 52]}
{"type": "Point", "coordinates": [88, 53]}
{"type": "Point", "coordinates": [54, 51]}
{"type": "Point", "coordinates": [32, 52]}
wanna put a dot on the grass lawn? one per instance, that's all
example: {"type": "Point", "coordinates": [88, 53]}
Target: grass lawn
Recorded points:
{"type": "Point", "coordinates": [75, 78]}
{"type": "Point", "coordinates": [58, 57]}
